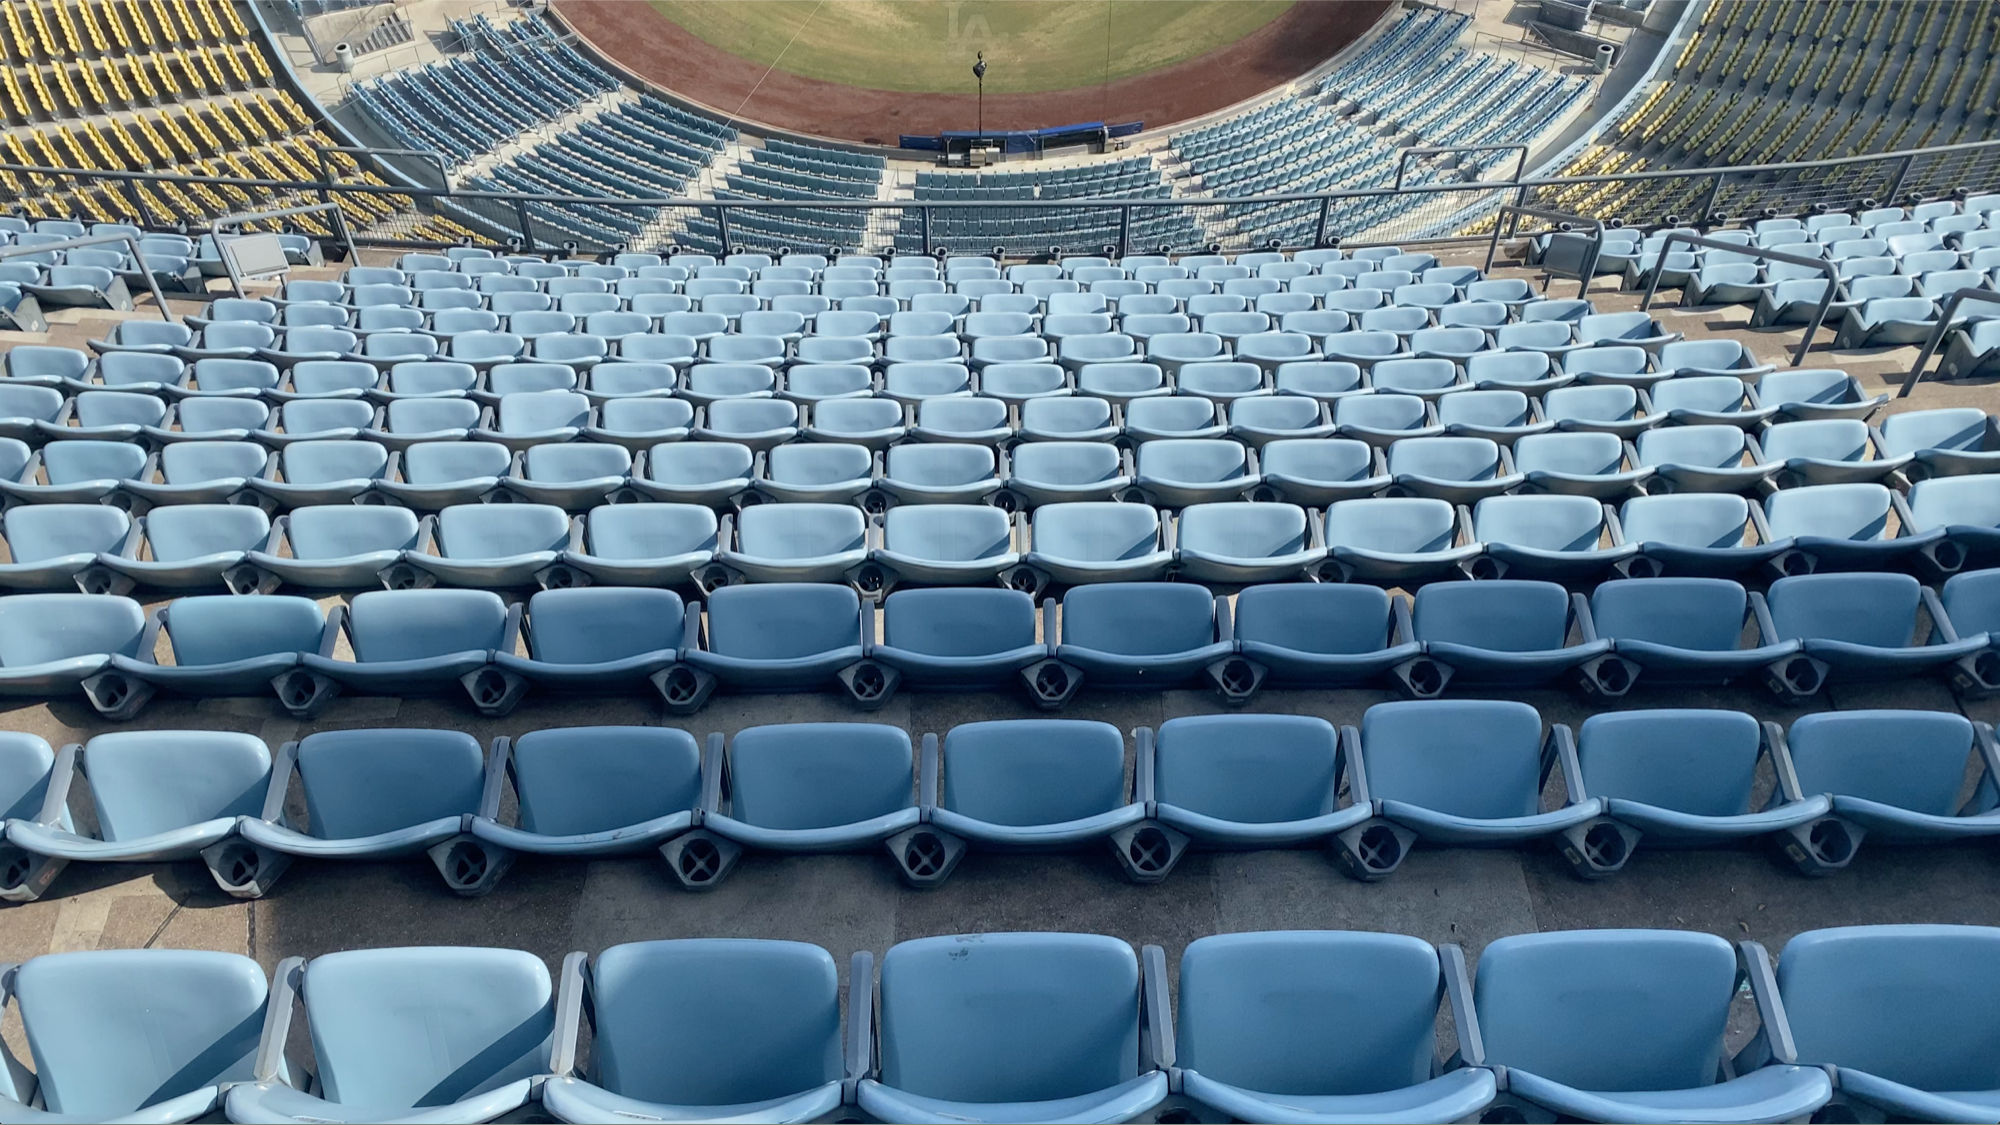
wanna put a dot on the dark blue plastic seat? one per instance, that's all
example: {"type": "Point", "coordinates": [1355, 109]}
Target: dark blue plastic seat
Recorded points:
{"type": "Point", "coordinates": [592, 791]}
{"type": "Point", "coordinates": [1144, 634]}
{"type": "Point", "coordinates": [1503, 633]}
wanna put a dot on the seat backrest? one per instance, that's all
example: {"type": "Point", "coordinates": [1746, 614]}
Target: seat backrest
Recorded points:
{"type": "Point", "coordinates": [1704, 614]}
{"type": "Point", "coordinates": [1699, 762]}
{"type": "Point", "coordinates": [958, 622]}
{"type": "Point", "coordinates": [715, 1021]}
{"type": "Point", "coordinates": [558, 462]}
{"type": "Point", "coordinates": [698, 462]}
{"type": "Point", "coordinates": [497, 531]}
{"type": "Point", "coordinates": [40, 628]}
{"type": "Point", "coordinates": [220, 629]}
{"type": "Point", "coordinates": [1139, 618]}
{"type": "Point", "coordinates": [116, 1030]}
{"type": "Point", "coordinates": [1025, 772]}
{"type": "Point", "coordinates": [1971, 599]}
{"type": "Point", "coordinates": [1911, 760]}
{"type": "Point", "coordinates": [574, 780]}
{"type": "Point", "coordinates": [1242, 529]}
{"type": "Point", "coordinates": [180, 532]}
{"type": "Point", "coordinates": [1879, 609]}
{"type": "Point", "coordinates": [1552, 1003]}
{"type": "Point", "coordinates": [1062, 1010]}
{"type": "Point", "coordinates": [1397, 524]}
{"type": "Point", "coordinates": [1549, 523]}
{"type": "Point", "coordinates": [39, 532]}
{"type": "Point", "coordinates": [148, 782]}
{"type": "Point", "coordinates": [1329, 618]}
{"type": "Point", "coordinates": [1707, 447]}
{"type": "Point", "coordinates": [365, 782]}
{"type": "Point", "coordinates": [649, 531]}
{"type": "Point", "coordinates": [783, 620]}
{"type": "Point", "coordinates": [819, 775]}
{"type": "Point", "coordinates": [1954, 428]}
{"type": "Point", "coordinates": [25, 761]}
{"type": "Point", "coordinates": [1446, 458]}
{"type": "Point", "coordinates": [185, 462]}
{"type": "Point", "coordinates": [954, 532]}
{"type": "Point", "coordinates": [390, 625]}
{"type": "Point", "coordinates": [800, 531]}
{"type": "Point", "coordinates": [542, 410]}
{"type": "Point", "coordinates": [332, 531]}
{"type": "Point", "coordinates": [818, 463]}
{"type": "Point", "coordinates": [431, 415]}
{"type": "Point", "coordinates": [73, 462]}
{"type": "Point", "coordinates": [1912, 1004]}
{"type": "Point", "coordinates": [1193, 459]}
{"type": "Point", "coordinates": [1249, 769]}
{"type": "Point", "coordinates": [599, 624]}
{"type": "Point", "coordinates": [426, 1026]}
{"type": "Point", "coordinates": [1467, 757]}
{"type": "Point", "coordinates": [1503, 615]}
{"type": "Point", "coordinates": [1309, 1012]}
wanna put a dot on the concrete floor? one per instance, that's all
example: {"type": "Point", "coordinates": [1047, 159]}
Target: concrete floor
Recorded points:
{"type": "Point", "coordinates": [848, 903]}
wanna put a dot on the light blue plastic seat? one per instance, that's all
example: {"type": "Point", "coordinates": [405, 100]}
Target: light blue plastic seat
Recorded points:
{"type": "Point", "coordinates": [1684, 630]}
{"type": "Point", "coordinates": [1673, 778]}
{"type": "Point", "coordinates": [188, 547]}
{"type": "Point", "coordinates": [324, 472]}
{"type": "Point", "coordinates": [1078, 1056]}
{"type": "Point", "coordinates": [76, 472]}
{"type": "Point", "coordinates": [407, 422]}
{"type": "Point", "coordinates": [778, 637]}
{"type": "Point", "coordinates": [1841, 527]}
{"type": "Point", "coordinates": [27, 409]}
{"type": "Point", "coordinates": [804, 787]}
{"type": "Point", "coordinates": [1241, 542]}
{"type": "Point", "coordinates": [570, 475]}
{"type": "Point", "coordinates": [756, 423]}
{"type": "Point", "coordinates": [1600, 408]}
{"type": "Point", "coordinates": [873, 422]}
{"type": "Point", "coordinates": [121, 416]}
{"type": "Point", "coordinates": [1463, 772]}
{"type": "Point", "coordinates": [1317, 471]}
{"type": "Point", "coordinates": [1144, 635]}
{"type": "Point", "coordinates": [1708, 533]}
{"type": "Point", "coordinates": [232, 646]}
{"type": "Point", "coordinates": [1860, 626]}
{"type": "Point", "coordinates": [159, 796]}
{"type": "Point", "coordinates": [1551, 537]}
{"type": "Point", "coordinates": [490, 546]}
{"type": "Point", "coordinates": [706, 472]}
{"type": "Point", "coordinates": [1893, 775]}
{"type": "Point", "coordinates": [1917, 1058]}
{"type": "Point", "coordinates": [1082, 418]}
{"type": "Point", "coordinates": [374, 1017]}
{"type": "Point", "coordinates": [980, 420]}
{"type": "Point", "coordinates": [152, 1035]}
{"type": "Point", "coordinates": [1018, 785]}
{"type": "Point", "coordinates": [414, 642]}
{"type": "Point", "coordinates": [1826, 451]}
{"type": "Point", "coordinates": [1581, 463]}
{"type": "Point", "coordinates": [1176, 472]}
{"type": "Point", "coordinates": [1549, 1003]}
{"type": "Point", "coordinates": [1396, 540]}
{"type": "Point", "coordinates": [795, 542]}
{"type": "Point", "coordinates": [591, 791]}
{"type": "Point", "coordinates": [1951, 441]}
{"type": "Point", "coordinates": [1321, 379]}
{"type": "Point", "coordinates": [645, 544]}
{"type": "Point", "coordinates": [199, 472]}
{"type": "Point", "coordinates": [1502, 633]}
{"type": "Point", "coordinates": [705, 383]}
{"type": "Point", "coordinates": [603, 639]}
{"type": "Point", "coordinates": [1382, 419]}
{"type": "Point", "coordinates": [223, 418]}
{"type": "Point", "coordinates": [57, 546]}
{"type": "Point", "coordinates": [57, 644]}
{"type": "Point", "coordinates": [438, 474]}
{"type": "Point", "coordinates": [323, 419]}
{"type": "Point", "coordinates": [1461, 470]}
{"type": "Point", "coordinates": [1614, 364]}
{"type": "Point", "coordinates": [1179, 417]}
{"type": "Point", "coordinates": [1361, 1043]}
{"type": "Point", "coordinates": [1048, 472]}
{"type": "Point", "coordinates": [376, 795]}
{"type": "Point", "coordinates": [533, 417]}
{"type": "Point", "coordinates": [626, 379]}
{"type": "Point", "coordinates": [1123, 383]}
{"type": "Point", "coordinates": [1083, 542]}
{"type": "Point", "coordinates": [704, 1029]}
{"type": "Point", "coordinates": [524, 378]}
{"type": "Point", "coordinates": [1321, 635]}
{"type": "Point", "coordinates": [1704, 458]}
{"type": "Point", "coordinates": [1259, 421]}
{"type": "Point", "coordinates": [941, 544]}
{"type": "Point", "coordinates": [1966, 509]}
{"type": "Point", "coordinates": [959, 638]}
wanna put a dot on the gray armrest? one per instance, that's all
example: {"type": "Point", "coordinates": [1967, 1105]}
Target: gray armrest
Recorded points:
{"type": "Point", "coordinates": [1754, 963]}
{"type": "Point", "coordinates": [570, 986]}
{"type": "Point", "coordinates": [55, 799]}
{"type": "Point", "coordinates": [1464, 1016]}
{"type": "Point", "coordinates": [495, 780]}
{"type": "Point", "coordinates": [270, 1064]}
{"type": "Point", "coordinates": [1156, 1014]}
{"type": "Point", "coordinates": [860, 1045]}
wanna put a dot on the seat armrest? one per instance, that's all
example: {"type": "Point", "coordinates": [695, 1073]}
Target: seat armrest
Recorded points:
{"type": "Point", "coordinates": [860, 1044]}
{"type": "Point", "coordinates": [570, 987]}
{"type": "Point", "coordinates": [1786, 774]}
{"type": "Point", "coordinates": [1464, 1016]}
{"type": "Point", "coordinates": [1156, 1013]}
{"type": "Point", "coordinates": [927, 775]}
{"type": "Point", "coordinates": [1754, 963]}
{"type": "Point", "coordinates": [1357, 772]}
{"type": "Point", "coordinates": [714, 769]}
{"type": "Point", "coordinates": [329, 637]}
{"type": "Point", "coordinates": [278, 1005]}
{"type": "Point", "coordinates": [495, 779]}
{"type": "Point", "coordinates": [55, 799]}
{"type": "Point", "coordinates": [1145, 760]}
{"type": "Point", "coordinates": [282, 763]}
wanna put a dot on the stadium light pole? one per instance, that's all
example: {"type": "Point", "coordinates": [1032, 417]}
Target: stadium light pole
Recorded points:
{"type": "Point", "coordinates": [979, 72]}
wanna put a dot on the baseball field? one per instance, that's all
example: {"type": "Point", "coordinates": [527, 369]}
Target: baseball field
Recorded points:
{"type": "Point", "coordinates": [926, 46]}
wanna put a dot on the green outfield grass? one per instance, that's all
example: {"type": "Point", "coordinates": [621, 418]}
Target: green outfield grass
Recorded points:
{"type": "Point", "coordinates": [929, 45]}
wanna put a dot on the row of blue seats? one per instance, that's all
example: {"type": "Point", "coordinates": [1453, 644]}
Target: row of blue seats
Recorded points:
{"type": "Point", "coordinates": [1808, 630]}
{"type": "Point", "coordinates": [1590, 1025]}
{"type": "Point", "coordinates": [1431, 773]}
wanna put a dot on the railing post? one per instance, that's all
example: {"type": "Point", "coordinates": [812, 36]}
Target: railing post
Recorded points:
{"type": "Point", "coordinates": [527, 226]}
{"type": "Point", "coordinates": [1124, 230]}
{"type": "Point", "coordinates": [924, 214]}
{"type": "Point", "coordinates": [1708, 204]}
{"type": "Point", "coordinates": [1319, 224]}
{"type": "Point", "coordinates": [141, 212]}
{"type": "Point", "coordinates": [1896, 185]}
{"type": "Point", "coordinates": [722, 228]}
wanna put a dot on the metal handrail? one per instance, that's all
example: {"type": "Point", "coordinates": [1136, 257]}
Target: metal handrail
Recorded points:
{"type": "Point", "coordinates": [130, 241]}
{"type": "Point", "coordinates": [331, 176]}
{"type": "Point", "coordinates": [1517, 212]}
{"type": "Point", "coordinates": [1821, 264]}
{"type": "Point", "coordinates": [340, 227]}
{"type": "Point", "coordinates": [1936, 339]}
{"type": "Point", "coordinates": [1520, 152]}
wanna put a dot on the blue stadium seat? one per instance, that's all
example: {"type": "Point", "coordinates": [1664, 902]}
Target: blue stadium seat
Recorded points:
{"type": "Point", "coordinates": [645, 544]}
{"type": "Point", "coordinates": [776, 637]}
{"type": "Point", "coordinates": [1858, 626]}
{"type": "Point", "coordinates": [591, 791]}
{"type": "Point", "coordinates": [413, 642]}
{"type": "Point", "coordinates": [1502, 633]}
{"type": "Point", "coordinates": [1145, 635]}
{"type": "Point", "coordinates": [1682, 630]}
{"type": "Point", "coordinates": [224, 646]}
{"type": "Point", "coordinates": [605, 639]}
